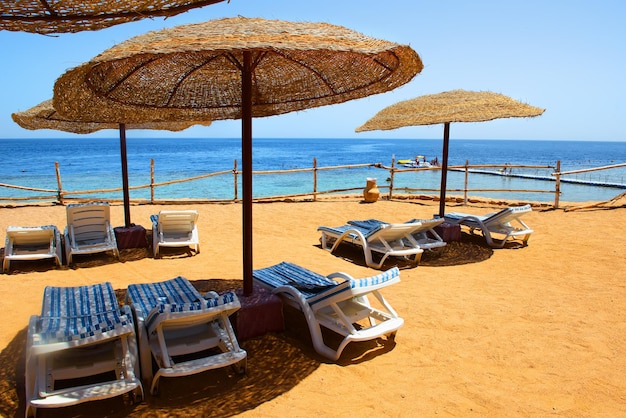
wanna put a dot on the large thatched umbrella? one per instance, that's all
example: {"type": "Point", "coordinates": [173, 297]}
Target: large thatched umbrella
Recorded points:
{"type": "Point", "coordinates": [54, 16]}
{"type": "Point", "coordinates": [235, 68]}
{"type": "Point", "coordinates": [44, 116]}
{"type": "Point", "coordinates": [447, 107]}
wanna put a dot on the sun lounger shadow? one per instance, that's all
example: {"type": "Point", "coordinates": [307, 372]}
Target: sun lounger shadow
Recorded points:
{"type": "Point", "coordinates": [297, 334]}
{"type": "Point", "coordinates": [93, 260]}
{"type": "Point", "coordinates": [196, 396]}
{"type": "Point", "coordinates": [354, 254]}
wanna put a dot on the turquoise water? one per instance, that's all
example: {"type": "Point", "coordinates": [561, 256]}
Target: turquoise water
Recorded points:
{"type": "Point", "coordinates": [94, 163]}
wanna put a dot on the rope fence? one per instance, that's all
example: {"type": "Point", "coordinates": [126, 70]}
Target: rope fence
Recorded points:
{"type": "Point", "coordinates": [391, 188]}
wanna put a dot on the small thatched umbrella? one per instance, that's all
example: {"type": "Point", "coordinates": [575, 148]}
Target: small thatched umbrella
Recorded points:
{"type": "Point", "coordinates": [447, 107]}
{"type": "Point", "coordinates": [54, 16]}
{"type": "Point", "coordinates": [235, 68]}
{"type": "Point", "coordinates": [44, 116]}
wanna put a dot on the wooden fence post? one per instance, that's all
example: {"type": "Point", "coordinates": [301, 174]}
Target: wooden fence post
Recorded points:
{"type": "Point", "coordinates": [466, 182]}
{"type": "Point", "coordinates": [557, 187]}
{"type": "Point", "coordinates": [152, 181]}
{"type": "Point", "coordinates": [59, 185]}
{"type": "Point", "coordinates": [236, 189]}
{"type": "Point", "coordinates": [392, 172]}
{"type": "Point", "coordinates": [314, 179]}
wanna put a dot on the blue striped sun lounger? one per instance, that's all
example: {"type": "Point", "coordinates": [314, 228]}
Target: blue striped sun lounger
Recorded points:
{"type": "Point", "coordinates": [174, 320]}
{"type": "Point", "coordinates": [82, 332]}
{"type": "Point", "coordinates": [337, 302]}
{"type": "Point", "coordinates": [388, 240]}
{"type": "Point", "coordinates": [425, 236]}
{"type": "Point", "coordinates": [498, 228]}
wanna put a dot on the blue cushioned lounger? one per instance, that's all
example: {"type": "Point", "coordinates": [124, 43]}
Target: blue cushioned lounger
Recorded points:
{"type": "Point", "coordinates": [82, 335]}
{"type": "Point", "coordinates": [174, 319]}
{"type": "Point", "coordinates": [337, 302]}
{"type": "Point", "coordinates": [388, 240]}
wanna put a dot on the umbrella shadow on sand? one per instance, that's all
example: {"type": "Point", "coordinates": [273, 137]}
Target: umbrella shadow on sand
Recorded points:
{"type": "Point", "coordinates": [215, 393]}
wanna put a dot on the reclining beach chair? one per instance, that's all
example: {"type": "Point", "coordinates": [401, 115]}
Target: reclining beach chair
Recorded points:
{"type": "Point", "coordinates": [337, 302]}
{"type": "Point", "coordinates": [390, 240]}
{"type": "Point", "coordinates": [425, 236]}
{"type": "Point", "coordinates": [32, 243]}
{"type": "Point", "coordinates": [175, 320]}
{"type": "Point", "coordinates": [496, 223]}
{"type": "Point", "coordinates": [175, 228]}
{"type": "Point", "coordinates": [81, 348]}
{"type": "Point", "coordinates": [89, 230]}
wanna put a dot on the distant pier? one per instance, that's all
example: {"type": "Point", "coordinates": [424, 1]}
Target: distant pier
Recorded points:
{"type": "Point", "coordinates": [544, 178]}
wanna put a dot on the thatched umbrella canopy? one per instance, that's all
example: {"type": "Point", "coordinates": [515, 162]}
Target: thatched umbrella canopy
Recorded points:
{"type": "Point", "coordinates": [44, 116]}
{"type": "Point", "coordinates": [235, 68]}
{"type": "Point", "coordinates": [54, 16]}
{"type": "Point", "coordinates": [447, 107]}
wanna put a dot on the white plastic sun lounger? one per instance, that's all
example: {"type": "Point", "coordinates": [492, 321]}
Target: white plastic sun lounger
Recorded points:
{"type": "Point", "coordinates": [337, 302]}
{"type": "Point", "coordinates": [496, 223]}
{"type": "Point", "coordinates": [425, 236]}
{"type": "Point", "coordinates": [32, 243]}
{"type": "Point", "coordinates": [175, 228]}
{"type": "Point", "coordinates": [390, 240]}
{"type": "Point", "coordinates": [174, 320]}
{"type": "Point", "coordinates": [81, 348]}
{"type": "Point", "coordinates": [89, 230]}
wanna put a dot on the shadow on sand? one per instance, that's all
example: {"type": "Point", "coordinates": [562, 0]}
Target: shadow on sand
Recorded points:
{"type": "Point", "coordinates": [276, 363]}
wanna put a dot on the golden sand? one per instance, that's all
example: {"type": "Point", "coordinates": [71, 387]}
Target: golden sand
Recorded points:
{"type": "Point", "coordinates": [519, 331]}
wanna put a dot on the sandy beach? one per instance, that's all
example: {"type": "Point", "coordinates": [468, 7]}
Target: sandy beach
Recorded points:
{"type": "Point", "coordinates": [518, 331]}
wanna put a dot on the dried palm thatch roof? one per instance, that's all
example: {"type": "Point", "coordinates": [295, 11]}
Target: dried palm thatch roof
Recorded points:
{"type": "Point", "coordinates": [193, 72]}
{"type": "Point", "coordinates": [447, 107]}
{"type": "Point", "coordinates": [54, 16]}
{"type": "Point", "coordinates": [44, 116]}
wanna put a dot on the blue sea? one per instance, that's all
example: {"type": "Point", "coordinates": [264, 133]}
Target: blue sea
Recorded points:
{"type": "Point", "coordinates": [94, 163]}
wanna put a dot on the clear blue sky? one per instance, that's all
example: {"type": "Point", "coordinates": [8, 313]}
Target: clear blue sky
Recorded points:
{"type": "Point", "coordinates": [568, 57]}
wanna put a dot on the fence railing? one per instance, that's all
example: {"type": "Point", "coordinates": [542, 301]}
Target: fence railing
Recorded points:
{"type": "Point", "coordinates": [555, 178]}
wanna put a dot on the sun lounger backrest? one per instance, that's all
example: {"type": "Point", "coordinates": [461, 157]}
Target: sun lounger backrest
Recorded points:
{"type": "Point", "coordinates": [355, 287]}
{"type": "Point", "coordinates": [305, 281]}
{"type": "Point", "coordinates": [512, 214]}
{"type": "Point", "coordinates": [391, 232]}
{"type": "Point", "coordinates": [175, 291]}
{"type": "Point", "coordinates": [506, 215]}
{"type": "Point", "coordinates": [27, 236]}
{"type": "Point", "coordinates": [70, 313]}
{"type": "Point", "coordinates": [171, 296]}
{"type": "Point", "coordinates": [89, 221]}
{"type": "Point", "coordinates": [177, 222]}
{"type": "Point", "coordinates": [366, 223]}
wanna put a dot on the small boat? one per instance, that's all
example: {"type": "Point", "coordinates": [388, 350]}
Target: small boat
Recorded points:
{"type": "Point", "coordinates": [416, 164]}
{"type": "Point", "coordinates": [418, 161]}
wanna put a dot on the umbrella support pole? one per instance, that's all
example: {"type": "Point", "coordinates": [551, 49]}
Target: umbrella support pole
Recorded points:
{"type": "Point", "coordinates": [125, 175]}
{"type": "Point", "coordinates": [444, 169]}
{"type": "Point", "coordinates": [246, 160]}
